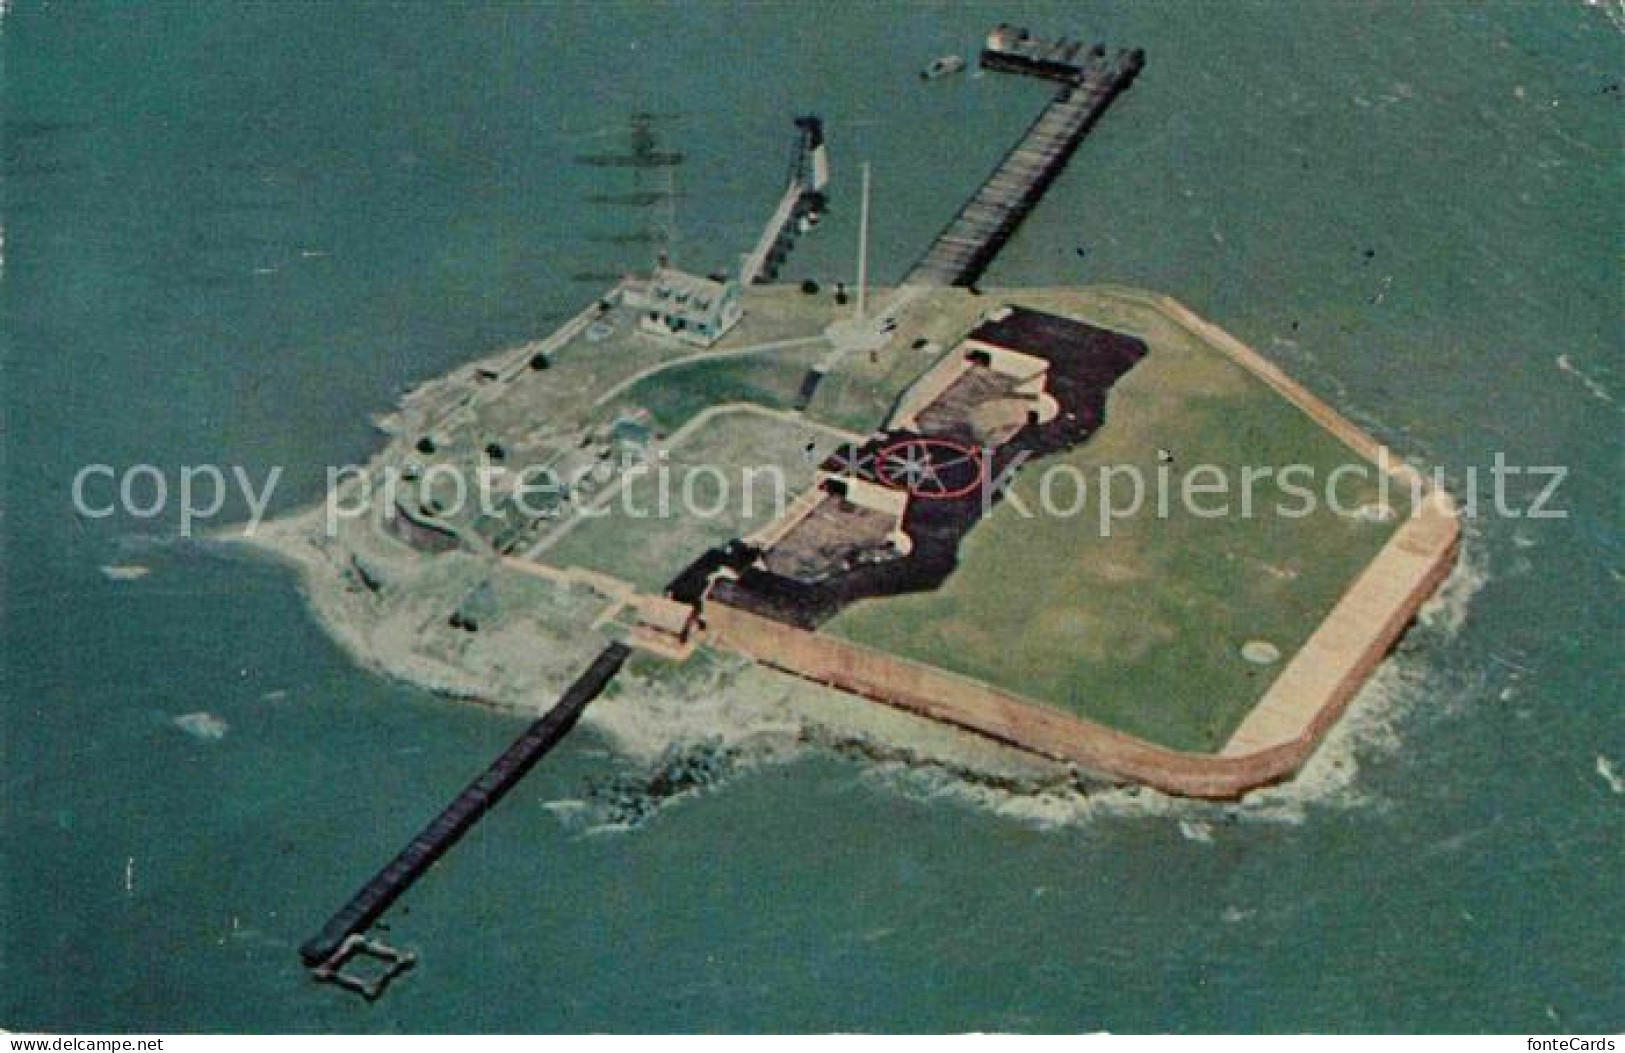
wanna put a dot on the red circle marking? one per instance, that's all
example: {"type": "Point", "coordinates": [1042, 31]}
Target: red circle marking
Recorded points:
{"type": "Point", "coordinates": [960, 453]}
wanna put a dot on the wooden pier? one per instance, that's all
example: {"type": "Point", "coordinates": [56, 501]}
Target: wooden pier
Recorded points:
{"type": "Point", "coordinates": [968, 244]}
{"type": "Point", "coordinates": [375, 897]}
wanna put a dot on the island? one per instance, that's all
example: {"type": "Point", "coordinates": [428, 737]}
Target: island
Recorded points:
{"type": "Point", "coordinates": [933, 523]}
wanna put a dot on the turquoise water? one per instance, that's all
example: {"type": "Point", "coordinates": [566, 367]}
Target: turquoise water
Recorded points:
{"type": "Point", "coordinates": [234, 231]}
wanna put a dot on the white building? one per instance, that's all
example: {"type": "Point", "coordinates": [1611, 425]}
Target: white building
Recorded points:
{"type": "Point", "coordinates": [692, 309]}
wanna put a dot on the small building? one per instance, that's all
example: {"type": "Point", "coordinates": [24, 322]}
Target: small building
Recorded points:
{"type": "Point", "coordinates": [665, 626]}
{"type": "Point", "coordinates": [629, 436]}
{"type": "Point", "coordinates": [693, 309]}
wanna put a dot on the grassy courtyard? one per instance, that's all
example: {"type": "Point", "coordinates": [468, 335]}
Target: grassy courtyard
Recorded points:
{"type": "Point", "coordinates": [674, 396]}
{"type": "Point", "coordinates": [1142, 630]}
{"type": "Point", "coordinates": [859, 392]}
{"type": "Point", "coordinates": [720, 481]}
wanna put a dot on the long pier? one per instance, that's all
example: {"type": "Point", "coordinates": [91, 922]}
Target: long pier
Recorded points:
{"type": "Point", "coordinates": [375, 897]}
{"type": "Point", "coordinates": [968, 244]}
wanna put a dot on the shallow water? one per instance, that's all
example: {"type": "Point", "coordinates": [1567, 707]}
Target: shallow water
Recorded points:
{"type": "Point", "coordinates": [231, 238]}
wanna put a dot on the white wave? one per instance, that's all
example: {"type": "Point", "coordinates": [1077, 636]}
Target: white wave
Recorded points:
{"type": "Point", "coordinates": [1043, 809]}
{"type": "Point", "coordinates": [1567, 365]}
{"type": "Point", "coordinates": [1613, 9]}
{"type": "Point", "coordinates": [1446, 609]}
{"type": "Point", "coordinates": [153, 542]}
{"type": "Point", "coordinates": [205, 727]}
{"type": "Point", "coordinates": [565, 810]}
{"type": "Point", "coordinates": [1194, 830]}
{"type": "Point", "coordinates": [125, 571]}
{"type": "Point", "coordinates": [1605, 768]}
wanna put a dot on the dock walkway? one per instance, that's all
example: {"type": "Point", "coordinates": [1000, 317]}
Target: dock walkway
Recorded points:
{"type": "Point", "coordinates": [968, 244]}
{"type": "Point", "coordinates": [375, 897]}
{"type": "Point", "coordinates": [758, 263]}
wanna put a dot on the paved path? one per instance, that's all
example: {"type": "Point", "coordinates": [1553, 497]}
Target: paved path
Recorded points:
{"type": "Point", "coordinates": [690, 426]}
{"type": "Point", "coordinates": [849, 334]}
{"type": "Point", "coordinates": [704, 356]}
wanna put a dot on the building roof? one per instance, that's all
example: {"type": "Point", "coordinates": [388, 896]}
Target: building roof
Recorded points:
{"type": "Point", "coordinates": [631, 429]}
{"type": "Point", "coordinates": [680, 291]}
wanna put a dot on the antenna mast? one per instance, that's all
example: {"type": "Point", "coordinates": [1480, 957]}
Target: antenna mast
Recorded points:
{"type": "Point", "coordinates": [863, 245]}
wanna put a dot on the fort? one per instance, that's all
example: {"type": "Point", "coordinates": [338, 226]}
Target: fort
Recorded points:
{"type": "Point", "coordinates": [1199, 656]}
{"type": "Point", "coordinates": [773, 616]}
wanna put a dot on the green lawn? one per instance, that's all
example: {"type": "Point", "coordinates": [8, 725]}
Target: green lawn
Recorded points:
{"type": "Point", "coordinates": [637, 543]}
{"type": "Point", "coordinates": [1141, 630]}
{"type": "Point", "coordinates": [858, 393]}
{"type": "Point", "coordinates": [564, 395]}
{"type": "Point", "coordinates": [676, 395]}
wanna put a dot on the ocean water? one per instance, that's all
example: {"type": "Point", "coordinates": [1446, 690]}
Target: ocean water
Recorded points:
{"type": "Point", "coordinates": [232, 232]}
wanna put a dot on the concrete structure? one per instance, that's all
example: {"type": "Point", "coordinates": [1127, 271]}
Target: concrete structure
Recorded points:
{"type": "Point", "coordinates": [664, 627]}
{"type": "Point", "coordinates": [1013, 49]}
{"type": "Point", "coordinates": [995, 388]}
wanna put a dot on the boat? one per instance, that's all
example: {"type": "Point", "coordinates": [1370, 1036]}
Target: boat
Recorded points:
{"type": "Point", "coordinates": [942, 67]}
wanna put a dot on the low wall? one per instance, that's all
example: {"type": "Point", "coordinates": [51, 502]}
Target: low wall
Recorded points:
{"type": "Point", "coordinates": [999, 715]}
{"type": "Point", "coordinates": [1272, 743]}
{"type": "Point", "coordinates": [1342, 653]}
{"type": "Point", "coordinates": [1327, 672]}
{"type": "Point", "coordinates": [1274, 740]}
{"type": "Point", "coordinates": [929, 387]}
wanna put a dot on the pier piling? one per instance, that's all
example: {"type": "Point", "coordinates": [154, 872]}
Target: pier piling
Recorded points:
{"type": "Point", "coordinates": [413, 861]}
{"type": "Point", "coordinates": [968, 244]}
